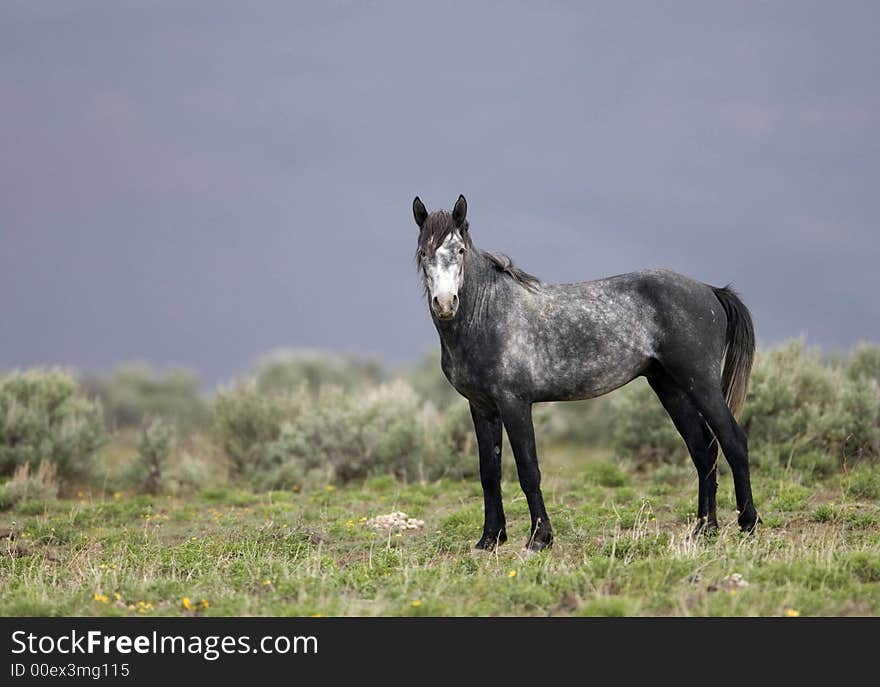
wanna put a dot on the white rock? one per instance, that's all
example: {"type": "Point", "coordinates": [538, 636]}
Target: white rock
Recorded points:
{"type": "Point", "coordinates": [396, 520]}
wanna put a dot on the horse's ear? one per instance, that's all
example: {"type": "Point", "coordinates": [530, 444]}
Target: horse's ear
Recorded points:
{"type": "Point", "coordinates": [420, 212]}
{"type": "Point", "coordinates": [459, 212]}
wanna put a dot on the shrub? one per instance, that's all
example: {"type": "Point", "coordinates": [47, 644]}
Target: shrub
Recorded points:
{"type": "Point", "coordinates": [865, 565]}
{"type": "Point", "coordinates": [323, 437]}
{"type": "Point", "coordinates": [641, 430]}
{"type": "Point", "coordinates": [583, 422]}
{"type": "Point", "coordinates": [385, 430]}
{"type": "Point", "coordinates": [454, 443]}
{"type": "Point", "coordinates": [196, 466]}
{"type": "Point", "coordinates": [797, 404]}
{"type": "Point", "coordinates": [794, 402]}
{"type": "Point", "coordinates": [288, 370]}
{"type": "Point", "coordinates": [605, 474]}
{"type": "Point", "coordinates": [397, 438]}
{"type": "Point", "coordinates": [30, 485]}
{"type": "Point", "coordinates": [450, 444]}
{"type": "Point", "coordinates": [43, 417]}
{"type": "Point", "coordinates": [863, 482]}
{"type": "Point", "coordinates": [860, 405]}
{"type": "Point", "coordinates": [287, 440]}
{"type": "Point", "coordinates": [136, 393]}
{"type": "Point", "coordinates": [246, 421]}
{"type": "Point", "coordinates": [799, 410]}
{"type": "Point", "coordinates": [427, 379]}
{"type": "Point", "coordinates": [814, 464]}
{"type": "Point", "coordinates": [155, 447]}
{"type": "Point", "coordinates": [865, 363]}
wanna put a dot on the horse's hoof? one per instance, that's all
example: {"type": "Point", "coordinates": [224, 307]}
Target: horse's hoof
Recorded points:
{"type": "Point", "coordinates": [705, 528]}
{"type": "Point", "coordinates": [748, 521]}
{"type": "Point", "coordinates": [488, 542]}
{"type": "Point", "coordinates": [540, 541]}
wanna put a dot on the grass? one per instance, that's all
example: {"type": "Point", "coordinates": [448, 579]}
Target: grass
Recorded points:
{"type": "Point", "coordinates": [622, 548]}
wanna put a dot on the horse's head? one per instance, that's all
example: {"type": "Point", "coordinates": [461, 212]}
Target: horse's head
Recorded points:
{"type": "Point", "coordinates": [443, 245]}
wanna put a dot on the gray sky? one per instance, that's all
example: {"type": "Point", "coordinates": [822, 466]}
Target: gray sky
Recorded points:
{"type": "Point", "coordinates": [197, 183]}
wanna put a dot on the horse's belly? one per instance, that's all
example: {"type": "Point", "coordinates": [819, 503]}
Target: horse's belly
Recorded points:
{"type": "Point", "coordinates": [579, 380]}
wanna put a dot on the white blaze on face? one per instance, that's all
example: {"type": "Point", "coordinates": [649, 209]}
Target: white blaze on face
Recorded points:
{"type": "Point", "coordinates": [443, 269]}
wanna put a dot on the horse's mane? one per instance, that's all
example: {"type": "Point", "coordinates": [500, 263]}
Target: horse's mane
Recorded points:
{"type": "Point", "coordinates": [439, 225]}
{"type": "Point", "coordinates": [505, 265]}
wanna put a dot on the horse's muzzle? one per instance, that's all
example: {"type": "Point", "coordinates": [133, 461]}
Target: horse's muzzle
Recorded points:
{"type": "Point", "coordinates": [445, 306]}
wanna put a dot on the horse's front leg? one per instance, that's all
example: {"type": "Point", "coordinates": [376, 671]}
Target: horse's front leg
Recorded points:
{"type": "Point", "coordinates": [487, 425]}
{"type": "Point", "coordinates": [517, 417]}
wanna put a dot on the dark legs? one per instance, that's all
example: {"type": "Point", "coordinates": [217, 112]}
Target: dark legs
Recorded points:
{"type": "Point", "coordinates": [517, 417]}
{"type": "Point", "coordinates": [700, 443]}
{"type": "Point", "coordinates": [705, 396]}
{"type": "Point", "coordinates": [736, 450]}
{"type": "Point", "coordinates": [487, 425]}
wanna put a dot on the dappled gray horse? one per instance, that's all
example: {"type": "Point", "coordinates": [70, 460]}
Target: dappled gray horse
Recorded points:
{"type": "Point", "coordinates": [509, 340]}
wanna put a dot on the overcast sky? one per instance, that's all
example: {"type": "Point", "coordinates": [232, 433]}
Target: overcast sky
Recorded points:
{"type": "Point", "coordinates": [198, 183]}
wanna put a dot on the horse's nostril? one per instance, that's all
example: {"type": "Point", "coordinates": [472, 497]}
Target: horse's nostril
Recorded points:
{"type": "Point", "coordinates": [444, 304]}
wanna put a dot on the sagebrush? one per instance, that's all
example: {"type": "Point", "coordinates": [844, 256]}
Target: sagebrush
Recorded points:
{"type": "Point", "coordinates": [43, 416]}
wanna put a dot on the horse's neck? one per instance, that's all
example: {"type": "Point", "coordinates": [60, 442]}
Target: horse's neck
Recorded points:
{"type": "Point", "coordinates": [478, 294]}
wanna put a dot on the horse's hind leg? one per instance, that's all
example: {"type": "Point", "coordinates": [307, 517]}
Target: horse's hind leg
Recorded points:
{"type": "Point", "coordinates": [700, 443]}
{"type": "Point", "coordinates": [517, 417]}
{"type": "Point", "coordinates": [705, 392]}
{"type": "Point", "coordinates": [487, 425]}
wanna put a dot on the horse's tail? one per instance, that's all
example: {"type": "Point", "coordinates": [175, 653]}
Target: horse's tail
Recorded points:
{"type": "Point", "coordinates": [739, 349]}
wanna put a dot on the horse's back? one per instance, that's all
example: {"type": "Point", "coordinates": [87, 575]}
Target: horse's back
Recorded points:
{"type": "Point", "coordinates": [657, 297]}
{"type": "Point", "coordinates": [676, 317]}
{"type": "Point", "coordinates": [592, 337]}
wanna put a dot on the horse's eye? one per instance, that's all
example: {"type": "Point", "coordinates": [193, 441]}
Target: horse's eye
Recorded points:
{"type": "Point", "coordinates": [461, 251]}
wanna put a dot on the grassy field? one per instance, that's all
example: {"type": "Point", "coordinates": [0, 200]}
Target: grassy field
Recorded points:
{"type": "Point", "coordinates": [622, 548]}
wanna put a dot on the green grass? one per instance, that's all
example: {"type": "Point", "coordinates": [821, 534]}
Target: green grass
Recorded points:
{"type": "Point", "coordinates": [622, 548]}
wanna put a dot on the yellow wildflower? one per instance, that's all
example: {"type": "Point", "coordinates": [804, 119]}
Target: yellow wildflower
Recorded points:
{"type": "Point", "coordinates": [204, 603]}
{"type": "Point", "coordinates": [791, 613]}
{"type": "Point", "coordinates": [117, 596]}
{"type": "Point", "coordinates": [416, 603]}
{"type": "Point", "coordinates": [330, 487]}
{"type": "Point", "coordinates": [512, 573]}
{"type": "Point", "coordinates": [187, 604]}
{"type": "Point", "coordinates": [102, 598]}
{"type": "Point", "coordinates": [267, 582]}
{"type": "Point", "coordinates": [117, 495]}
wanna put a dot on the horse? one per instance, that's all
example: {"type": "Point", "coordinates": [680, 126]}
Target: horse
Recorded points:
{"type": "Point", "coordinates": [509, 340]}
